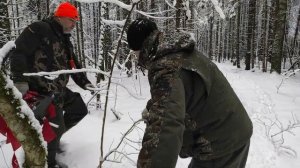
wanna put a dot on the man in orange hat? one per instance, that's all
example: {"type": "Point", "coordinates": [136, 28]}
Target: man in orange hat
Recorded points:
{"type": "Point", "coordinates": [45, 46]}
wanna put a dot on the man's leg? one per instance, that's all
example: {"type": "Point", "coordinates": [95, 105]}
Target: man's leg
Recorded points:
{"type": "Point", "coordinates": [75, 109]}
{"type": "Point", "coordinates": [237, 159]}
{"type": "Point", "coordinates": [53, 146]}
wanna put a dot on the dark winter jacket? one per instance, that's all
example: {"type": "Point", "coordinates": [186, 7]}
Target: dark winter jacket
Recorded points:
{"type": "Point", "coordinates": [43, 46]}
{"type": "Point", "coordinates": [193, 111]}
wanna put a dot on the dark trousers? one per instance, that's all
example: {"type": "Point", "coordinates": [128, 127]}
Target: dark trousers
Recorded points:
{"type": "Point", "coordinates": [73, 111]}
{"type": "Point", "coordinates": [236, 159]}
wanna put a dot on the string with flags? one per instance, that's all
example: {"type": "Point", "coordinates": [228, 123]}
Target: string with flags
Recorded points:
{"type": "Point", "coordinates": [47, 131]}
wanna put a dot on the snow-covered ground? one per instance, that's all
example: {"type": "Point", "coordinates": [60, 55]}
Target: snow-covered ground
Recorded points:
{"type": "Point", "coordinates": [270, 109]}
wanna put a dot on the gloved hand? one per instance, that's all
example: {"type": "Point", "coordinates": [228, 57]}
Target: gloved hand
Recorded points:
{"type": "Point", "coordinates": [22, 87]}
{"type": "Point", "coordinates": [90, 87]}
{"type": "Point", "coordinates": [145, 113]}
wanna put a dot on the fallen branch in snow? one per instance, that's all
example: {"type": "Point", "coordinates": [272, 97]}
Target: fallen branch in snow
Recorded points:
{"type": "Point", "coordinates": [105, 158]}
{"type": "Point", "coordinates": [275, 130]}
{"type": "Point", "coordinates": [124, 155]}
{"type": "Point", "coordinates": [131, 94]}
{"type": "Point", "coordinates": [116, 113]}
{"type": "Point", "coordinates": [288, 74]}
{"type": "Point", "coordinates": [294, 124]}
{"type": "Point", "coordinates": [279, 143]}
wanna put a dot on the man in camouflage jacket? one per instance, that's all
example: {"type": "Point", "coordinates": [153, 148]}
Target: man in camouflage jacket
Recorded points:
{"type": "Point", "coordinates": [193, 111]}
{"type": "Point", "coordinates": [46, 46]}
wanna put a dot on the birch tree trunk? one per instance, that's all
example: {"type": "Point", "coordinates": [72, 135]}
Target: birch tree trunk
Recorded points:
{"type": "Point", "coordinates": [20, 125]}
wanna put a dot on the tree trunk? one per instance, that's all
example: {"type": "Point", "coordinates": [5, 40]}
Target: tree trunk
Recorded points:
{"type": "Point", "coordinates": [230, 40]}
{"type": "Point", "coordinates": [220, 46]}
{"type": "Point", "coordinates": [221, 36]}
{"type": "Point", "coordinates": [279, 36]}
{"type": "Point", "coordinates": [20, 125]}
{"type": "Point", "coordinates": [210, 48]}
{"type": "Point", "coordinates": [81, 35]}
{"type": "Point", "coordinates": [294, 51]}
{"type": "Point", "coordinates": [107, 42]}
{"type": "Point", "coordinates": [263, 36]}
{"type": "Point", "coordinates": [217, 40]}
{"type": "Point", "coordinates": [178, 14]}
{"type": "Point", "coordinates": [255, 34]}
{"type": "Point", "coordinates": [250, 33]}
{"type": "Point", "coordinates": [269, 30]}
{"type": "Point", "coordinates": [4, 23]}
{"type": "Point", "coordinates": [78, 36]}
{"type": "Point", "coordinates": [238, 35]}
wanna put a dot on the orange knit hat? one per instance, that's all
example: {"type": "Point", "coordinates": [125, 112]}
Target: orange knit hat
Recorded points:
{"type": "Point", "coordinates": [66, 9]}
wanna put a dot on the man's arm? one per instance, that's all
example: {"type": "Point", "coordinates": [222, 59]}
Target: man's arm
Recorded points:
{"type": "Point", "coordinates": [22, 55]}
{"type": "Point", "coordinates": [26, 44]}
{"type": "Point", "coordinates": [79, 78]}
{"type": "Point", "coordinates": [165, 120]}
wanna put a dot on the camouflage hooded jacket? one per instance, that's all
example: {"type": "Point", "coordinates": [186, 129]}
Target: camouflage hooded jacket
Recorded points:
{"type": "Point", "coordinates": [193, 111]}
{"type": "Point", "coordinates": [43, 46]}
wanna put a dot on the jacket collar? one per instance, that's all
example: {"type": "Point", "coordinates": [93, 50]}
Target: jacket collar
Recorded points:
{"type": "Point", "coordinates": [56, 27]}
{"type": "Point", "coordinates": [159, 45]}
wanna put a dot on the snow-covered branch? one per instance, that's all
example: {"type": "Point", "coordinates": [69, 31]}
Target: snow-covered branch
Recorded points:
{"type": "Point", "coordinates": [131, 94]}
{"type": "Point", "coordinates": [218, 8]}
{"type": "Point", "coordinates": [116, 2]}
{"type": "Point", "coordinates": [118, 84]}
{"type": "Point", "coordinates": [169, 4]}
{"type": "Point", "coordinates": [122, 138]}
{"type": "Point", "coordinates": [150, 16]}
{"type": "Point", "coordinates": [275, 130]}
{"type": "Point", "coordinates": [287, 76]}
{"type": "Point", "coordinates": [54, 74]}
{"type": "Point", "coordinates": [113, 22]}
{"type": "Point", "coordinates": [5, 49]}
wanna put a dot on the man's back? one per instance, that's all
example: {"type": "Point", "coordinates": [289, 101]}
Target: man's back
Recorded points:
{"type": "Point", "coordinates": [222, 124]}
